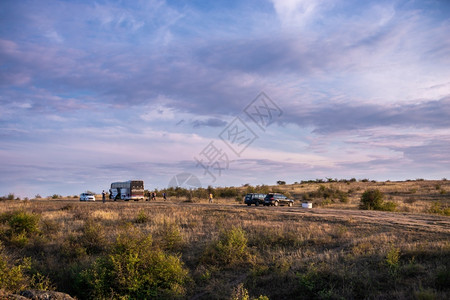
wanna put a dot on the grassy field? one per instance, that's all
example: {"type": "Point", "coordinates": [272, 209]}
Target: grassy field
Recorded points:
{"type": "Point", "coordinates": [226, 250]}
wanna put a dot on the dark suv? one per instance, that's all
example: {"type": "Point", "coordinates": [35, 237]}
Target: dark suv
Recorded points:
{"type": "Point", "coordinates": [256, 199]}
{"type": "Point", "coordinates": [277, 199]}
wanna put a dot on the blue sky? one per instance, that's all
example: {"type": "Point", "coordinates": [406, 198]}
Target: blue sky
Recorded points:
{"type": "Point", "coordinates": [96, 92]}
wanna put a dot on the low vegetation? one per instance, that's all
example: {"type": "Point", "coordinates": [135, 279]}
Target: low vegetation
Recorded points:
{"type": "Point", "coordinates": [374, 199]}
{"type": "Point", "coordinates": [226, 250]}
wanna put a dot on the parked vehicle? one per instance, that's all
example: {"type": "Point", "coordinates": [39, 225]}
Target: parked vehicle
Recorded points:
{"type": "Point", "coordinates": [254, 198]}
{"type": "Point", "coordinates": [87, 197]}
{"type": "Point", "coordinates": [277, 199]}
{"type": "Point", "coordinates": [128, 190]}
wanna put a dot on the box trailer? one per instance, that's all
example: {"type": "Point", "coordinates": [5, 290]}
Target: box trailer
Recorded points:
{"type": "Point", "coordinates": [127, 190]}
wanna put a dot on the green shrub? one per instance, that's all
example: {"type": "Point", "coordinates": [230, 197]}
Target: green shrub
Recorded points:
{"type": "Point", "coordinates": [20, 226]}
{"type": "Point", "coordinates": [71, 249]}
{"type": "Point", "coordinates": [170, 236]}
{"type": "Point", "coordinates": [392, 260]}
{"type": "Point", "coordinates": [240, 293]}
{"type": "Point", "coordinates": [41, 282]}
{"type": "Point", "coordinates": [372, 199]}
{"type": "Point", "coordinates": [21, 222]}
{"type": "Point", "coordinates": [135, 270]}
{"type": "Point", "coordinates": [389, 206]}
{"type": "Point", "coordinates": [327, 193]}
{"type": "Point", "coordinates": [13, 277]}
{"type": "Point", "coordinates": [318, 284]}
{"type": "Point", "coordinates": [438, 208]}
{"type": "Point", "coordinates": [142, 217]}
{"type": "Point", "coordinates": [230, 249]}
{"type": "Point", "coordinates": [92, 237]}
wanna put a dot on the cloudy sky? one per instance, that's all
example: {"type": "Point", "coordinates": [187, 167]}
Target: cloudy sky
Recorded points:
{"type": "Point", "coordinates": [232, 92]}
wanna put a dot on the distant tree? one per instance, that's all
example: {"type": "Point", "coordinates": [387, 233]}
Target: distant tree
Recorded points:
{"type": "Point", "coordinates": [10, 196]}
{"type": "Point", "coordinates": [37, 196]}
{"type": "Point", "coordinates": [281, 182]}
{"type": "Point", "coordinates": [372, 199]}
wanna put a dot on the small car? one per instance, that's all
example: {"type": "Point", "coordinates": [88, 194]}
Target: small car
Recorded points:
{"type": "Point", "coordinates": [276, 199]}
{"type": "Point", "coordinates": [87, 197]}
{"type": "Point", "coordinates": [254, 198]}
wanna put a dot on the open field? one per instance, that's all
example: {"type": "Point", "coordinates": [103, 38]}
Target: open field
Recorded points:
{"type": "Point", "coordinates": [226, 250]}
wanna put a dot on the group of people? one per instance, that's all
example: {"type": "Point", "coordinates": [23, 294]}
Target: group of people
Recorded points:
{"type": "Point", "coordinates": [152, 196]}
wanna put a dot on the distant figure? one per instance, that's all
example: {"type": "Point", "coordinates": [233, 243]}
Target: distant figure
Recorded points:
{"type": "Point", "coordinates": [154, 196]}
{"type": "Point", "coordinates": [103, 196]}
{"type": "Point", "coordinates": [164, 196]}
{"type": "Point", "coordinates": [210, 198]}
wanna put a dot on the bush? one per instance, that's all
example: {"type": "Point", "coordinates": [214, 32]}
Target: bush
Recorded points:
{"type": "Point", "coordinates": [439, 208]}
{"type": "Point", "coordinates": [135, 270]}
{"type": "Point", "coordinates": [327, 193]}
{"type": "Point", "coordinates": [392, 260]}
{"type": "Point", "coordinates": [389, 206]}
{"type": "Point", "coordinates": [92, 237]}
{"type": "Point", "coordinates": [318, 284]}
{"type": "Point", "coordinates": [231, 248]}
{"type": "Point", "coordinates": [170, 236]}
{"type": "Point", "coordinates": [142, 217]}
{"type": "Point", "coordinates": [12, 277]}
{"type": "Point", "coordinates": [372, 199]}
{"type": "Point", "coordinates": [20, 226]}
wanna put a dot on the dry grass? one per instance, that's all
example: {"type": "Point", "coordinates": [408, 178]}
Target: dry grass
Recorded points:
{"type": "Point", "coordinates": [327, 252]}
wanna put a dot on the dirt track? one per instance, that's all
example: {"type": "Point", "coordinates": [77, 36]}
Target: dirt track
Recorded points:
{"type": "Point", "coordinates": [425, 222]}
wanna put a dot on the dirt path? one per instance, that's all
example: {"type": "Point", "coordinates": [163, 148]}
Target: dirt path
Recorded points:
{"type": "Point", "coordinates": [423, 222]}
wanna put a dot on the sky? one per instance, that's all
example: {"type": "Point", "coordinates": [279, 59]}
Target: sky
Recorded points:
{"type": "Point", "coordinates": [226, 92]}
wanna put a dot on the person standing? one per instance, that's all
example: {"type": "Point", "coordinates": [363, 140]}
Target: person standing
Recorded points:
{"type": "Point", "coordinates": [164, 196]}
{"type": "Point", "coordinates": [210, 198]}
{"type": "Point", "coordinates": [103, 196]}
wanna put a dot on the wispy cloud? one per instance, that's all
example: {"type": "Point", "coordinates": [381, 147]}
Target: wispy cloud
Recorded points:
{"type": "Point", "coordinates": [329, 117]}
